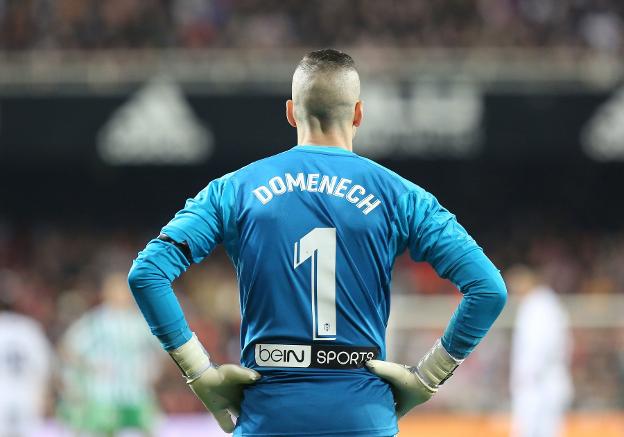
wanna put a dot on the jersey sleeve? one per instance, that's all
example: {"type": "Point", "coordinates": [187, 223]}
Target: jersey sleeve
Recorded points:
{"type": "Point", "coordinates": [430, 232]}
{"type": "Point", "coordinates": [433, 235]}
{"type": "Point", "coordinates": [206, 220]}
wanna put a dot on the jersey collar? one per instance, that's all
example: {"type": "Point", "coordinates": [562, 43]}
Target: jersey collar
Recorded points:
{"type": "Point", "coordinates": [333, 150]}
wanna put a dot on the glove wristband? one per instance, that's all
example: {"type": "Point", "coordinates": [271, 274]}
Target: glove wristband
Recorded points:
{"type": "Point", "coordinates": [436, 366]}
{"type": "Point", "coordinates": [192, 359]}
{"type": "Point", "coordinates": [432, 390]}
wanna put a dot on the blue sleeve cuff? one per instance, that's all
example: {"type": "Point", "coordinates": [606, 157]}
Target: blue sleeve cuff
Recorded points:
{"type": "Point", "coordinates": [173, 340]}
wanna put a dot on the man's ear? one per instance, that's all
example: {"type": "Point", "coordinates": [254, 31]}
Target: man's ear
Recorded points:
{"type": "Point", "coordinates": [290, 113]}
{"type": "Point", "coordinates": [358, 113]}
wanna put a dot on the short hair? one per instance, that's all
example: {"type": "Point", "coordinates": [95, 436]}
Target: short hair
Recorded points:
{"type": "Point", "coordinates": [326, 86]}
{"type": "Point", "coordinates": [326, 59]}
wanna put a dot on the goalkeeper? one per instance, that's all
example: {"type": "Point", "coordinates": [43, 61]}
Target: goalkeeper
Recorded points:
{"type": "Point", "coordinates": [313, 233]}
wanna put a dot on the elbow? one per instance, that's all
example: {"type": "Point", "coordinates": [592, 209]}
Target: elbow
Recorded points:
{"type": "Point", "coordinates": [501, 298]}
{"type": "Point", "coordinates": [155, 266]}
{"type": "Point", "coordinates": [491, 293]}
{"type": "Point", "coordinates": [499, 291]}
{"type": "Point", "coordinates": [135, 276]}
{"type": "Point", "coordinates": [145, 274]}
{"type": "Point", "coordinates": [139, 275]}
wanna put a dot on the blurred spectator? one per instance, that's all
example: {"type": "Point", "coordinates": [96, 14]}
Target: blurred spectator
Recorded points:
{"type": "Point", "coordinates": [602, 31]}
{"type": "Point", "coordinates": [540, 381]}
{"type": "Point", "coordinates": [109, 366]}
{"type": "Point", "coordinates": [68, 24]}
{"type": "Point", "coordinates": [25, 363]}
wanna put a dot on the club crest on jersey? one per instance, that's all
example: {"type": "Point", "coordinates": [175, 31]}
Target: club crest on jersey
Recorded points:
{"type": "Point", "coordinates": [317, 183]}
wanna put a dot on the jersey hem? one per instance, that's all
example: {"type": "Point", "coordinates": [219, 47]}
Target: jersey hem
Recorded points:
{"type": "Point", "coordinates": [379, 432]}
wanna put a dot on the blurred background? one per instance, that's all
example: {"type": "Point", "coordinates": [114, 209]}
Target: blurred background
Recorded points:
{"type": "Point", "coordinates": [112, 113]}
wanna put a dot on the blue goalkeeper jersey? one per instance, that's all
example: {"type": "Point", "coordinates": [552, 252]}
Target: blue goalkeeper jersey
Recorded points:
{"type": "Point", "coordinates": [313, 234]}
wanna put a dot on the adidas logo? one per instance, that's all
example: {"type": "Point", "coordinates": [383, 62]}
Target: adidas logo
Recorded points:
{"type": "Point", "coordinates": [429, 120]}
{"type": "Point", "coordinates": [155, 126]}
{"type": "Point", "coordinates": [602, 137]}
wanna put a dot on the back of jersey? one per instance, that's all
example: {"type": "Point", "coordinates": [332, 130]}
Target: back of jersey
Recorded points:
{"type": "Point", "coordinates": [314, 251]}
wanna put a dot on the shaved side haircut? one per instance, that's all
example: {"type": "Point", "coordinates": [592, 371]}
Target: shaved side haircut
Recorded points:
{"type": "Point", "coordinates": [325, 88]}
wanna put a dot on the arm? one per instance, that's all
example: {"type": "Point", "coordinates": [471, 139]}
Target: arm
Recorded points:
{"type": "Point", "coordinates": [484, 296]}
{"type": "Point", "coordinates": [432, 234]}
{"type": "Point", "coordinates": [150, 278]}
{"type": "Point", "coordinates": [205, 221]}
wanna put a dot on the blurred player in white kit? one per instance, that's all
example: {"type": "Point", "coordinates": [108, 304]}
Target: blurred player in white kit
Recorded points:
{"type": "Point", "coordinates": [25, 361]}
{"type": "Point", "coordinates": [541, 386]}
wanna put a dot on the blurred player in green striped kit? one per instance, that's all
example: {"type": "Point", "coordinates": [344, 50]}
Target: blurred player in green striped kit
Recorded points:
{"type": "Point", "coordinates": [106, 385]}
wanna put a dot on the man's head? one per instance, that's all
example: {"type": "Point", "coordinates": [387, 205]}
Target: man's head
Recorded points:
{"type": "Point", "coordinates": [11, 286]}
{"type": "Point", "coordinates": [115, 291]}
{"type": "Point", "coordinates": [521, 279]}
{"type": "Point", "coordinates": [325, 93]}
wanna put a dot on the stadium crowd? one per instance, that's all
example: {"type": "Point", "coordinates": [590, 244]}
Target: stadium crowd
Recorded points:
{"type": "Point", "coordinates": [55, 275]}
{"type": "Point", "coordinates": [91, 24]}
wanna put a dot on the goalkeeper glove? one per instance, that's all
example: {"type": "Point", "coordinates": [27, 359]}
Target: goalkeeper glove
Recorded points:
{"type": "Point", "coordinates": [220, 388]}
{"type": "Point", "coordinates": [413, 386]}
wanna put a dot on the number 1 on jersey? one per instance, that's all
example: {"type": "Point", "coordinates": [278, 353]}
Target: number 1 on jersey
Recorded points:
{"type": "Point", "coordinates": [319, 245]}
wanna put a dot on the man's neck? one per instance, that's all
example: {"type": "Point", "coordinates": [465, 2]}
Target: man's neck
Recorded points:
{"type": "Point", "coordinates": [333, 139]}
